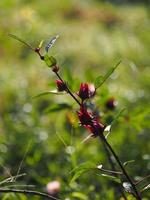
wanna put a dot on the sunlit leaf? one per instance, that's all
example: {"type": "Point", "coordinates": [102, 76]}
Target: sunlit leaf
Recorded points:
{"type": "Point", "coordinates": [49, 92]}
{"type": "Point", "coordinates": [50, 60]}
{"type": "Point", "coordinates": [78, 171]}
{"type": "Point", "coordinates": [101, 79]}
{"type": "Point", "coordinates": [41, 43]}
{"type": "Point", "coordinates": [113, 178]}
{"type": "Point", "coordinates": [128, 162]}
{"type": "Point", "coordinates": [146, 187]}
{"type": "Point", "coordinates": [79, 195]}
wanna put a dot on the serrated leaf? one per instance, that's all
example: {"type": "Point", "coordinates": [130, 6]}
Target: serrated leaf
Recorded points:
{"type": "Point", "coordinates": [57, 107]}
{"type": "Point", "coordinates": [20, 40]}
{"type": "Point", "coordinates": [128, 162]}
{"type": "Point", "coordinates": [101, 79]}
{"type": "Point", "coordinates": [50, 60]}
{"type": "Point", "coordinates": [78, 171]}
{"type": "Point", "coordinates": [49, 92]}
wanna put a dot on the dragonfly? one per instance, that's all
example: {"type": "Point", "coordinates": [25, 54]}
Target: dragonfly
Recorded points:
{"type": "Point", "coordinates": [51, 43]}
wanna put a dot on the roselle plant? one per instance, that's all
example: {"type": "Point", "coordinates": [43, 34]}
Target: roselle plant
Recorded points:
{"type": "Point", "coordinates": [89, 119]}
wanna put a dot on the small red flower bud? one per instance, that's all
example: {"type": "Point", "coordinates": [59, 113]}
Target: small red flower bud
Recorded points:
{"type": "Point", "coordinates": [55, 68]}
{"type": "Point", "coordinates": [111, 104]}
{"type": "Point", "coordinates": [86, 91]}
{"type": "Point", "coordinates": [61, 86]}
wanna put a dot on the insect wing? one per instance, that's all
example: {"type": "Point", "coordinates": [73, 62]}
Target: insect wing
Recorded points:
{"type": "Point", "coordinates": [51, 43]}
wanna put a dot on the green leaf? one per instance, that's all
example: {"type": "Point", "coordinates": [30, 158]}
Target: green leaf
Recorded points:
{"type": "Point", "coordinates": [113, 178]}
{"type": "Point", "coordinates": [50, 60]}
{"type": "Point", "coordinates": [41, 43]}
{"type": "Point", "coordinates": [57, 107]}
{"type": "Point", "coordinates": [78, 171]}
{"type": "Point", "coordinates": [109, 127]}
{"type": "Point", "coordinates": [98, 81]}
{"type": "Point", "coordinates": [117, 116]}
{"type": "Point", "coordinates": [101, 79]}
{"type": "Point", "coordinates": [20, 40]}
{"type": "Point", "coordinates": [49, 92]}
{"type": "Point", "coordinates": [79, 195]}
{"type": "Point", "coordinates": [128, 162]}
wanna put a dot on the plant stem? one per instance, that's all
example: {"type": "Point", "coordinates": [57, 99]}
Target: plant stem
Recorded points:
{"type": "Point", "coordinates": [112, 166]}
{"type": "Point", "coordinates": [138, 197]}
{"type": "Point", "coordinates": [31, 192]}
{"type": "Point", "coordinates": [105, 147]}
{"type": "Point", "coordinates": [68, 90]}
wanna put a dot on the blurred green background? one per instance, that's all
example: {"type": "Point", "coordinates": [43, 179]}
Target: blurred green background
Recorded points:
{"type": "Point", "coordinates": [94, 35]}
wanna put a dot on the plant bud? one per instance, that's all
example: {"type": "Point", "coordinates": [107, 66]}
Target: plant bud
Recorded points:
{"type": "Point", "coordinates": [111, 104]}
{"type": "Point", "coordinates": [86, 91]}
{"type": "Point", "coordinates": [61, 86]}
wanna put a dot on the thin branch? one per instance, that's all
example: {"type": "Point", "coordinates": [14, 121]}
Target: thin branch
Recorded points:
{"type": "Point", "coordinates": [110, 171]}
{"type": "Point", "coordinates": [113, 167]}
{"type": "Point", "coordinates": [30, 192]}
{"type": "Point", "coordinates": [140, 181]}
{"type": "Point", "coordinates": [11, 179]}
{"type": "Point", "coordinates": [138, 197]}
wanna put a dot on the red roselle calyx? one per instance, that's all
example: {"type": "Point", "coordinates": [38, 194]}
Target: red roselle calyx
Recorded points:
{"type": "Point", "coordinates": [61, 86]}
{"type": "Point", "coordinates": [90, 122]}
{"type": "Point", "coordinates": [86, 91]}
{"type": "Point", "coordinates": [84, 116]}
